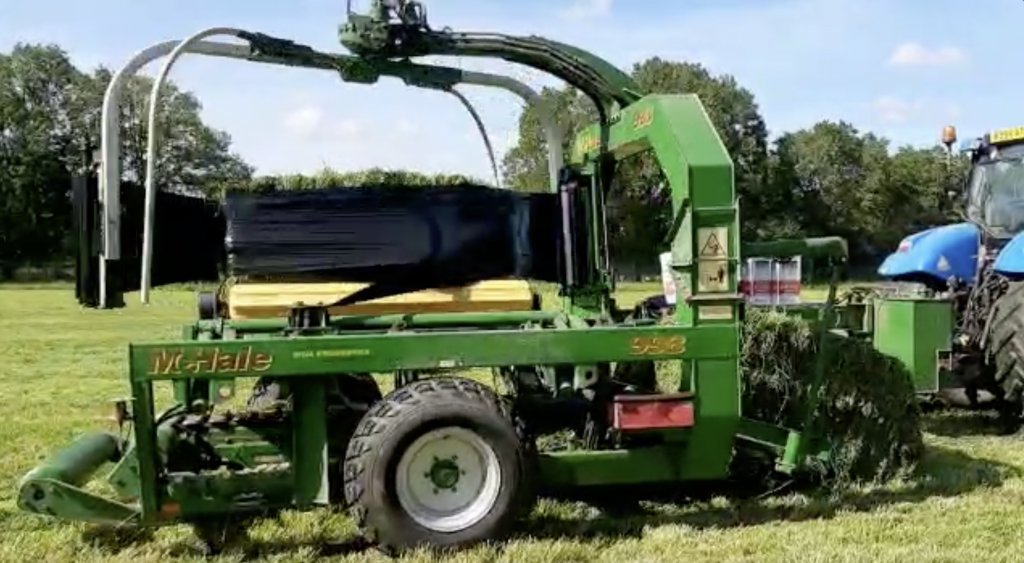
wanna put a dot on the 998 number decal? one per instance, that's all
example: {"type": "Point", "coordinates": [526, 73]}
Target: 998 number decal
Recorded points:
{"type": "Point", "coordinates": [657, 345]}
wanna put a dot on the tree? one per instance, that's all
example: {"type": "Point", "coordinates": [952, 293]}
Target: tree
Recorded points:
{"type": "Point", "coordinates": [836, 176]}
{"type": "Point", "coordinates": [192, 156]}
{"type": "Point", "coordinates": [839, 181]}
{"type": "Point", "coordinates": [36, 84]}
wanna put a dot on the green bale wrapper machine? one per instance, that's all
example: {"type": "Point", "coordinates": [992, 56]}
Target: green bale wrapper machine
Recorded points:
{"type": "Point", "coordinates": [441, 460]}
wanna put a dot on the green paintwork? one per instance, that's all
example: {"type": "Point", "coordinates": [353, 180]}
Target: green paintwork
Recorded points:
{"type": "Point", "coordinates": [329, 355]}
{"type": "Point", "coordinates": [444, 474]}
{"type": "Point", "coordinates": [211, 354]}
{"type": "Point", "coordinates": [372, 35]}
{"type": "Point", "coordinates": [54, 488]}
{"type": "Point", "coordinates": [914, 331]}
{"type": "Point", "coordinates": [819, 247]}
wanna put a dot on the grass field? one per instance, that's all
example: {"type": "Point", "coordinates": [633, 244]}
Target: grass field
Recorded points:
{"type": "Point", "coordinates": [59, 366]}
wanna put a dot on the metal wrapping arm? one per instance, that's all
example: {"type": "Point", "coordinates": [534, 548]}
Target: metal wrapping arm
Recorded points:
{"type": "Point", "coordinates": [268, 50]}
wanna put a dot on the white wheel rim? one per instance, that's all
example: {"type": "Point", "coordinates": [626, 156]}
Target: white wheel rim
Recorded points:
{"type": "Point", "coordinates": [448, 479]}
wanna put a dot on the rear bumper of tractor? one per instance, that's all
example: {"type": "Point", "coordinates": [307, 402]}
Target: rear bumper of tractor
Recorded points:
{"type": "Point", "coordinates": [55, 488]}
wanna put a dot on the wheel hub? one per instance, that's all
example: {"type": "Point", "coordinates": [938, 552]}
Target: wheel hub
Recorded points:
{"type": "Point", "coordinates": [448, 479]}
{"type": "Point", "coordinates": [444, 473]}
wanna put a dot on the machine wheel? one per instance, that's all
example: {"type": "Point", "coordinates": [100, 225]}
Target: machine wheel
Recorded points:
{"type": "Point", "coordinates": [437, 463]}
{"type": "Point", "coordinates": [1006, 347]}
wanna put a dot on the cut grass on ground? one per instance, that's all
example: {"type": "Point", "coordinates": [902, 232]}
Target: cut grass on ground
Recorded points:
{"type": "Point", "coordinates": [60, 365]}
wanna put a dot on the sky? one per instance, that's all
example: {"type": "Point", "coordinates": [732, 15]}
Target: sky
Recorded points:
{"type": "Point", "coordinates": [900, 68]}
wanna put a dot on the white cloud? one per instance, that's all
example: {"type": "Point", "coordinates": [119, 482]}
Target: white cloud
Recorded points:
{"type": "Point", "coordinates": [586, 9]}
{"type": "Point", "coordinates": [406, 127]}
{"type": "Point", "coordinates": [305, 121]}
{"type": "Point", "coordinates": [347, 128]}
{"type": "Point", "coordinates": [915, 54]}
{"type": "Point", "coordinates": [894, 110]}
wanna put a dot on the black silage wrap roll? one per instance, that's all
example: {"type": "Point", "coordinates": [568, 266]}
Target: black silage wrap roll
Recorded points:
{"type": "Point", "coordinates": [415, 237]}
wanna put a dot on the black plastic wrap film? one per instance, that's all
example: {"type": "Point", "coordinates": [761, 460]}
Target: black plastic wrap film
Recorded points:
{"type": "Point", "coordinates": [398, 239]}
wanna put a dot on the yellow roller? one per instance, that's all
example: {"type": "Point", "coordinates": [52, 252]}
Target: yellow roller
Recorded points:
{"type": "Point", "coordinates": [273, 300]}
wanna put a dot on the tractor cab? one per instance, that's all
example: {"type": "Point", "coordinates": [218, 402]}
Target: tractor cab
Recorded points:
{"type": "Point", "coordinates": [994, 195]}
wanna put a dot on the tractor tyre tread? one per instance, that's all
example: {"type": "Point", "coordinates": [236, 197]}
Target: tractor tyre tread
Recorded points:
{"type": "Point", "coordinates": [1006, 344]}
{"type": "Point", "coordinates": [377, 443]}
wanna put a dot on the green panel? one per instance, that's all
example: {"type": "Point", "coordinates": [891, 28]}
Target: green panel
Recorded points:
{"type": "Point", "coordinates": [330, 355]}
{"type": "Point", "coordinates": [914, 331]}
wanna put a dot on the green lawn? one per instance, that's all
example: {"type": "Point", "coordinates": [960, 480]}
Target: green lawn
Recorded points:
{"type": "Point", "coordinates": [60, 364]}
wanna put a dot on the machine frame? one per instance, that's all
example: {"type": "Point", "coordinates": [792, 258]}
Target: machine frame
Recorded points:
{"type": "Point", "coordinates": [273, 465]}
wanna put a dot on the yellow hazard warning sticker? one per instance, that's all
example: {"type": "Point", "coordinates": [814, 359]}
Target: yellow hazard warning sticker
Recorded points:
{"type": "Point", "coordinates": [712, 242]}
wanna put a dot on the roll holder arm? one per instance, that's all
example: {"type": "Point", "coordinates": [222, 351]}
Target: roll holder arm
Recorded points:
{"type": "Point", "coordinates": [269, 50]}
{"type": "Point", "coordinates": [398, 29]}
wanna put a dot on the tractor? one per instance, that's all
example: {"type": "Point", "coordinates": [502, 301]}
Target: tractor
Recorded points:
{"type": "Point", "coordinates": [967, 322]}
{"type": "Point", "coordinates": [442, 460]}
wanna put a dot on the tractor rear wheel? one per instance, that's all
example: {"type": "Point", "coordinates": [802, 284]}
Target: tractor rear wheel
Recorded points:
{"type": "Point", "coordinates": [438, 463]}
{"type": "Point", "coordinates": [1006, 349]}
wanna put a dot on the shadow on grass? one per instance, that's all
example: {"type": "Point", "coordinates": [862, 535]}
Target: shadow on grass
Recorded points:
{"type": "Point", "coordinates": [955, 423]}
{"type": "Point", "coordinates": [114, 540]}
{"type": "Point", "coordinates": [253, 550]}
{"type": "Point", "coordinates": [942, 473]}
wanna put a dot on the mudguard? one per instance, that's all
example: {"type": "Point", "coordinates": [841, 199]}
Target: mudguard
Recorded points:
{"type": "Point", "coordinates": [1010, 261]}
{"type": "Point", "coordinates": [941, 252]}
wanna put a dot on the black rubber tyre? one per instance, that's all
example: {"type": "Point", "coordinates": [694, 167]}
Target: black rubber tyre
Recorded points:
{"type": "Point", "coordinates": [1006, 347]}
{"type": "Point", "coordinates": [391, 428]}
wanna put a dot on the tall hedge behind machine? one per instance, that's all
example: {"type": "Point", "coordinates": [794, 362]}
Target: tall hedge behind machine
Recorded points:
{"type": "Point", "coordinates": [441, 460]}
{"type": "Point", "coordinates": [964, 328]}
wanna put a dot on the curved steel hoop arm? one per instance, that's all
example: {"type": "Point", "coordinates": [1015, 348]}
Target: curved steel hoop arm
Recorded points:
{"type": "Point", "coordinates": [151, 150]}
{"type": "Point", "coordinates": [297, 56]}
{"type": "Point", "coordinates": [482, 129]}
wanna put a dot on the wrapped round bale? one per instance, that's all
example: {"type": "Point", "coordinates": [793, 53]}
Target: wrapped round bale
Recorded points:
{"type": "Point", "coordinates": [868, 410]}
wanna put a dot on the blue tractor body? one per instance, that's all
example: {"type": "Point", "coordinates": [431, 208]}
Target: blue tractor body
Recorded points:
{"type": "Point", "coordinates": [950, 251]}
{"type": "Point", "coordinates": [936, 254]}
{"type": "Point", "coordinates": [1010, 260]}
